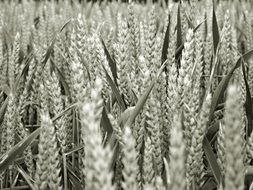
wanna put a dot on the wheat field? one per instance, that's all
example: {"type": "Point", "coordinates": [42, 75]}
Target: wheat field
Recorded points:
{"type": "Point", "coordinates": [126, 96]}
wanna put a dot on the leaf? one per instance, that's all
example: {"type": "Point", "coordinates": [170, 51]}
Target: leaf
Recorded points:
{"type": "Point", "coordinates": [216, 35]}
{"type": "Point", "coordinates": [142, 100]}
{"type": "Point", "coordinates": [248, 104]}
{"type": "Point", "coordinates": [212, 131]}
{"type": "Point", "coordinates": [179, 50]}
{"type": "Point", "coordinates": [83, 62]}
{"type": "Point", "coordinates": [167, 171]}
{"type": "Point", "coordinates": [125, 115]}
{"type": "Point", "coordinates": [115, 90]}
{"type": "Point", "coordinates": [7, 158]}
{"type": "Point", "coordinates": [62, 78]}
{"type": "Point", "coordinates": [219, 91]}
{"type": "Point", "coordinates": [106, 124]}
{"type": "Point", "coordinates": [26, 62]}
{"type": "Point", "coordinates": [179, 30]}
{"type": "Point", "coordinates": [189, 21]}
{"type": "Point", "coordinates": [64, 111]}
{"type": "Point", "coordinates": [197, 27]}
{"type": "Point", "coordinates": [166, 42]}
{"type": "Point", "coordinates": [215, 100]}
{"type": "Point", "coordinates": [211, 158]}
{"type": "Point", "coordinates": [27, 178]}
{"type": "Point", "coordinates": [181, 47]}
{"type": "Point", "coordinates": [64, 26]}
{"type": "Point", "coordinates": [5, 88]}
{"type": "Point", "coordinates": [112, 63]}
{"type": "Point", "coordinates": [48, 53]}
{"type": "Point", "coordinates": [210, 184]}
{"type": "Point", "coordinates": [3, 109]}
{"type": "Point", "coordinates": [75, 149]}
{"type": "Point", "coordinates": [73, 177]}
{"type": "Point", "coordinates": [15, 178]}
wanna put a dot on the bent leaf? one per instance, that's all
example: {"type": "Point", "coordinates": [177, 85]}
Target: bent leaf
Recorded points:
{"type": "Point", "coordinates": [7, 158]}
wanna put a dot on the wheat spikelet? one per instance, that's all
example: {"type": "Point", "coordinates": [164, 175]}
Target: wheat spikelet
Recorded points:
{"type": "Point", "coordinates": [207, 57]}
{"type": "Point", "coordinates": [26, 30]}
{"type": "Point", "coordinates": [96, 174]}
{"type": "Point", "coordinates": [3, 66]}
{"type": "Point", "coordinates": [81, 35]}
{"type": "Point", "coordinates": [172, 74]}
{"type": "Point", "coordinates": [165, 118]}
{"type": "Point", "coordinates": [58, 53]}
{"type": "Point", "coordinates": [196, 170]}
{"type": "Point", "coordinates": [36, 81]}
{"type": "Point", "coordinates": [56, 100]}
{"type": "Point", "coordinates": [187, 60]}
{"type": "Point", "coordinates": [10, 122]}
{"type": "Point", "coordinates": [130, 170]}
{"type": "Point", "coordinates": [76, 71]}
{"type": "Point", "coordinates": [225, 44]}
{"type": "Point", "coordinates": [184, 23]}
{"type": "Point", "coordinates": [102, 60]}
{"type": "Point", "coordinates": [151, 39]}
{"type": "Point", "coordinates": [116, 130]}
{"type": "Point", "coordinates": [248, 44]}
{"type": "Point", "coordinates": [121, 55]}
{"type": "Point", "coordinates": [53, 160]}
{"type": "Point", "coordinates": [154, 129]}
{"type": "Point", "coordinates": [185, 87]}
{"type": "Point", "coordinates": [134, 36]}
{"type": "Point", "coordinates": [42, 164]}
{"type": "Point", "coordinates": [142, 38]}
{"type": "Point", "coordinates": [221, 149]}
{"type": "Point", "coordinates": [8, 132]}
{"type": "Point", "coordinates": [177, 156]}
{"type": "Point", "coordinates": [148, 170]}
{"type": "Point", "coordinates": [233, 144]}
{"type": "Point", "coordinates": [13, 61]}
{"type": "Point", "coordinates": [67, 122]}
{"type": "Point", "coordinates": [47, 167]}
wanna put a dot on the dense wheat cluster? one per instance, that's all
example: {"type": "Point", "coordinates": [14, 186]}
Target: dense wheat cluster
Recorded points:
{"type": "Point", "coordinates": [126, 96]}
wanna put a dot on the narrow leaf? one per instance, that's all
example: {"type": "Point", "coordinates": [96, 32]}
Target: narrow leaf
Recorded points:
{"type": "Point", "coordinates": [26, 62]}
{"type": "Point", "coordinates": [211, 158]}
{"type": "Point", "coordinates": [106, 124]}
{"type": "Point", "coordinates": [62, 78]}
{"type": "Point", "coordinates": [248, 103]}
{"type": "Point", "coordinates": [75, 149]}
{"type": "Point", "coordinates": [64, 111]}
{"type": "Point", "coordinates": [115, 90]}
{"type": "Point", "coordinates": [216, 35]}
{"type": "Point", "coordinates": [219, 91]}
{"type": "Point", "coordinates": [26, 177]}
{"type": "Point", "coordinates": [166, 42]}
{"type": "Point", "coordinates": [73, 177]}
{"type": "Point", "coordinates": [142, 100]}
{"type": "Point", "coordinates": [112, 63]}
{"type": "Point", "coordinates": [179, 30]}
{"type": "Point", "coordinates": [197, 27]}
{"type": "Point", "coordinates": [7, 158]}
{"type": "Point", "coordinates": [2, 109]}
